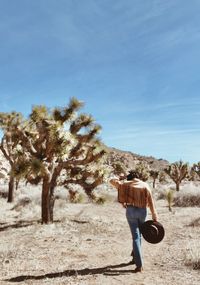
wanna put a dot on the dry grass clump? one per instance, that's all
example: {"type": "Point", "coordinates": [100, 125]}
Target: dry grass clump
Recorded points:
{"type": "Point", "coordinates": [100, 200]}
{"type": "Point", "coordinates": [21, 203]}
{"type": "Point", "coordinates": [192, 256]}
{"type": "Point", "coordinates": [106, 193]}
{"type": "Point", "coordinates": [188, 196]}
{"type": "Point", "coordinates": [187, 201]}
{"type": "Point", "coordinates": [7, 254]}
{"type": "Point", "coordinates": [3, 194]}
{"type": "Point", "coordinates": [166, 194]}
{"type": "Point", "coordinates": [163, 192]}
{"type": "Point", "coordinates": [75, 196]}
{"type": "Point", "coordinates": [195, 223]}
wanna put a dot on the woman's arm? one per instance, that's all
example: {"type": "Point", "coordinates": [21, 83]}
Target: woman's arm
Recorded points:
{"type": "Point", "coordinates": [152, 206]}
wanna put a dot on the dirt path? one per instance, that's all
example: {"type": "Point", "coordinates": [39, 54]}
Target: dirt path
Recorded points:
{"type": "Point", "coordinates": [91, 245]}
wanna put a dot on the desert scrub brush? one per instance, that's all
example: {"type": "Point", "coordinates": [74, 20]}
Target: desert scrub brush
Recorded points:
{"type": "Point", "coordinates": [192, 256]}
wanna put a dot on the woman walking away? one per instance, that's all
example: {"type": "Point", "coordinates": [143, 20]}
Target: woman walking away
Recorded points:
{"type": "Point", "coordinates": [136, 196]}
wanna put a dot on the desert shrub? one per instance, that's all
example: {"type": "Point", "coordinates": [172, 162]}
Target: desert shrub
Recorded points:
{"type": "Point", "coordinates": [79, 198]}
{"type": "Point", "coordinates": [188, 200]}
{"type": "Point", "coordinates": [21, 203]}
{"type": "Point", "coordinates": [192, 255]}
{"type": "Point", "coordinates": [166, 194]}
{"type": "Point", "coordinates": [162, 177]}
{"type": "Point", "coordinates": [3, 194]}
{"type": "Point", "coordinates": [161, 194]}
{"type": "Point", "coordinates": [8, 254]}
{"type": "Point", "coordinates": [188, 197]}
{"type": "Point", "coordinates": [75, 196]}
{"type": "Point", "coordinates": [106, 191]}
{"type": "Point", "coordinates": [195, 223]}
{"type": "Point", "coordinates": [100, 200]}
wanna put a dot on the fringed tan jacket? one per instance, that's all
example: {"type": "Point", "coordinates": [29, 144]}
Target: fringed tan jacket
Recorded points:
{"type": "Point", "coordinates": [136, 193]}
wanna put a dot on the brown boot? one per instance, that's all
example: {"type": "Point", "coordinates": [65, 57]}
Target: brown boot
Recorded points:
{"type": "Point", "coordinates": [138, 269]}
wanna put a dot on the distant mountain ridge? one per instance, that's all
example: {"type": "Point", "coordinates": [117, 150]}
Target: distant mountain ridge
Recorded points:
{"type": "Point", "coordinates": [130, 159]}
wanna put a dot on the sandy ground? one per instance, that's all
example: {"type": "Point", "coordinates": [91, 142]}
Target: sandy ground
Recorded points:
{"type": "Point", "coordinates": [91, 244]}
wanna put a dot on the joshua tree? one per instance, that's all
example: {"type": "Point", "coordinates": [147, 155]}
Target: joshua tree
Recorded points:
{"type": "Point", "coordinates": [56, 141]}
{"type": "Point", "coordinates": [10, 146]}
{"type": "Point", "coordinates": [196, 169]}
{"type": "Point", "coordinates": [162, 176]}
{"type": "Point", "coordinates": [154, 174]}
{"type": "Point", "coordinates": [118, 168]}
{"type": "Point", "coordinates": [177, 171]}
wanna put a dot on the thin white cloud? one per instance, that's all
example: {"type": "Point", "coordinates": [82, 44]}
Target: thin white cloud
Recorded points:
{"type": "Point", "coordinates": [139, 134]}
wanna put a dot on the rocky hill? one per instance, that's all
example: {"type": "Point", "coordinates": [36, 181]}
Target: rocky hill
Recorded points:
{"type": "Point", "coordinates": [129, 159]}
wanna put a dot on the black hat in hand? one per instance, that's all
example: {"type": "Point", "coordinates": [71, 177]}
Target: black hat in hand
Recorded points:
{"type": "Point", "coordinates": [152, 231]}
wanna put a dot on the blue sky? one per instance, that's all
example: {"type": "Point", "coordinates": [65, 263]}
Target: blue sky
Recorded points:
{"type": "Point", "coordinates": [135, 64]}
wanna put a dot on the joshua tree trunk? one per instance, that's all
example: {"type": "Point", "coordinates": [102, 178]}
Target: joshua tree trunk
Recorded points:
{"type": "Point", "coordinates": [45, 202]}
{"type": "Point", "coordinates": [154, 183]}
{"type": "Point", "coordinates": [16, 184]}
{"type": "Point", "coordinates": [11, 189]}
{"type": "Point", "coordinates": [51, 203]}
{"type": "Point", "coordinates": [89, 193]}
{"type": "Point", "coordinates": [48, 200]}
{"type": "Point", "coordinates": [177, 186]}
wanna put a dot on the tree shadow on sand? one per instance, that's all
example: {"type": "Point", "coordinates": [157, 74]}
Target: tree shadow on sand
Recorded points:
{"type": "Point", "coordinates": [107, 270]}
{"type": "Point", "coordinates": [20, 224]}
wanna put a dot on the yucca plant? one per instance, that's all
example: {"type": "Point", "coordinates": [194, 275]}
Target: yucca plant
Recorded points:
{"type": "Point", "coordinates": [170, 198]}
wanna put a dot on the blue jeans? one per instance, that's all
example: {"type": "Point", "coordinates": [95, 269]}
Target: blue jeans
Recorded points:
{"type": "Point", "coordinates": [136, 216]}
